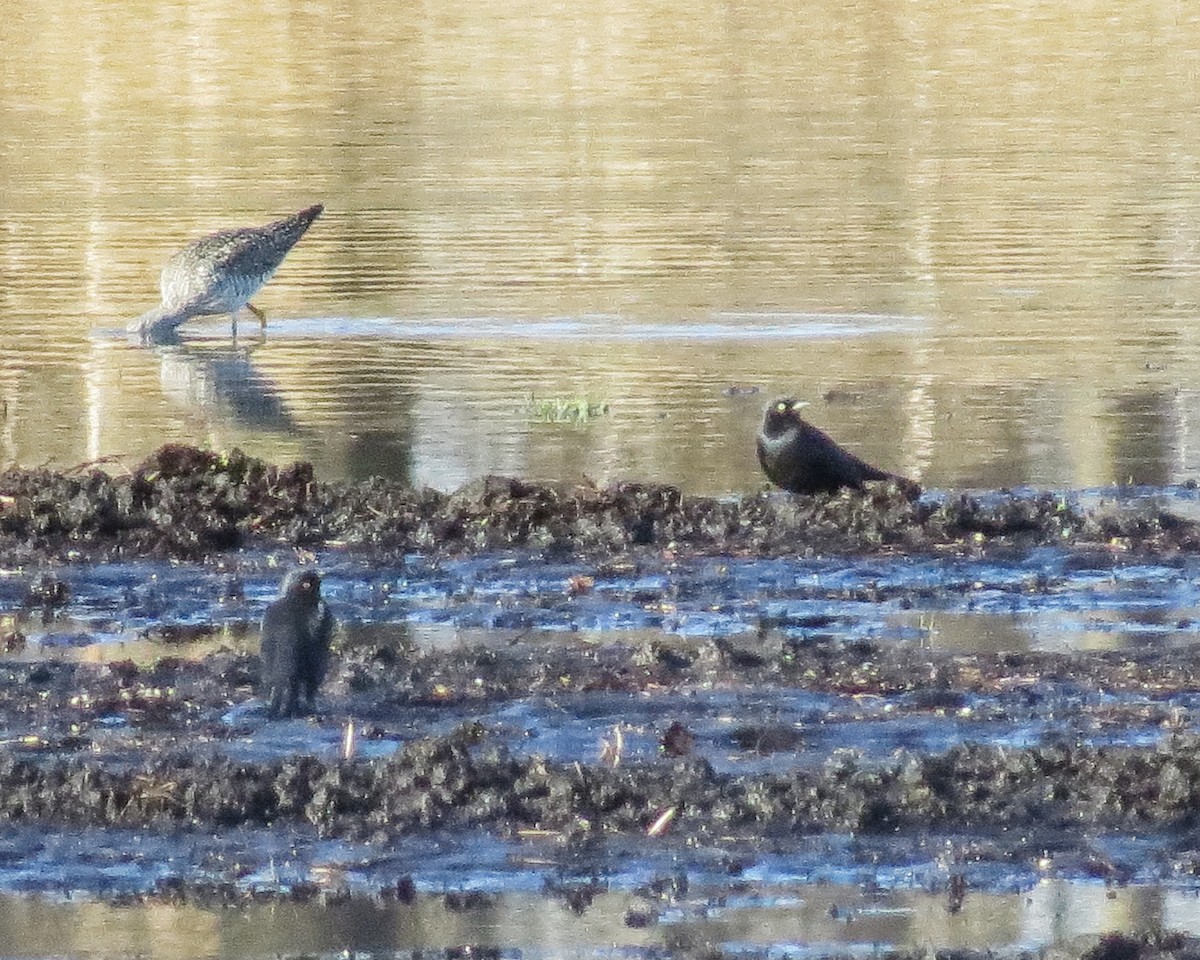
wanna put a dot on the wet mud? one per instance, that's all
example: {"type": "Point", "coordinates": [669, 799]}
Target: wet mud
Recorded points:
{"type": "Point", "coordinates": [122, 744]}
{"type": "Point", "coordinates": [187, 503]}
{"type": "Point", "coordinates": [635, 675]}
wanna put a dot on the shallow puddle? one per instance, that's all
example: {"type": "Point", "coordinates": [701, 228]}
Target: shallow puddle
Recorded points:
{"type": "Point", "coordinates": [751, 918]}
{"type": "Point", "coordinates": [524, 609]}
{"type": "Point", "coordinates": [1045, 599]}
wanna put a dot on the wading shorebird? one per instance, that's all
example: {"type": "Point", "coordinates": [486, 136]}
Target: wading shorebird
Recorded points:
{"type": "Point", "coordinates": [220, 273]}
{"type": "Point", "coordinates": [296, 631]}
{"type": "Point", "coordinates": [798, 457]}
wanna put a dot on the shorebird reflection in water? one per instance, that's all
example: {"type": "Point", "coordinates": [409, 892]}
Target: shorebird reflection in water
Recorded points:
{"type": "Point", "coordinates": [220, 273]}
{"type": "Point", "coordinates": [222, 382]}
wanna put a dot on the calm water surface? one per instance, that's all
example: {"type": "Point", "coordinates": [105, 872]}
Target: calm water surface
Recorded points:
{"type": "Point", "coordinates": [785, 921]}
{"type": "Point", "coordinates": [969, 234]}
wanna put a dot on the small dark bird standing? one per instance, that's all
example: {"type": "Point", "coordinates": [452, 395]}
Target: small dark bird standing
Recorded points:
{"type": "Point", "coordinates": [798, 457]}
{"type": "Point", "coordinates": [296, 630]}
{"type": "Point", "coordinates": [220, 273]}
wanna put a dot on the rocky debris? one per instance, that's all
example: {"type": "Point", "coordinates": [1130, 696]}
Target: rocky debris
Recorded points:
{"type": "Point", "coordinates": [189, 503]}
{"type": "Point", "coordinates": [166, 776]}
{"type": "Point", "coordinates": [460, 781]}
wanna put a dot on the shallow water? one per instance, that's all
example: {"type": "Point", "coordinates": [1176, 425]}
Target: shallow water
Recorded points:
{"type": "Point", "coordinates": [766, 904]}
{"type": "Point", "coordinates": [1045, 599]}
{"type": "Point", "coordinates": [968, 237]}
{"type": "Point", "coordinates": [520, 605]}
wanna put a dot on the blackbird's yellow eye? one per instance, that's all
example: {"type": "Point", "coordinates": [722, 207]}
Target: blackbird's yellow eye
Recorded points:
{"type": "Point", "coordinates": [781, 407]}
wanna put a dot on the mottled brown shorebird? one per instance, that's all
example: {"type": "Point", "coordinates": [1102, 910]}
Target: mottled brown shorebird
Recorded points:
{"type": "Point", "coordinates": [296, 632]}
{"type": "Point", "coordinates": [798, 457]}
{"type": "Point", "coordinates": [220, 273]}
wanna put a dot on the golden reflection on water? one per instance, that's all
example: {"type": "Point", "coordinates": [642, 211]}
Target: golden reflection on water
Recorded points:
{"type": "Point", "coordinates": [1051, 914]}
{"type": "Point", "coordinates": [1020, 182]}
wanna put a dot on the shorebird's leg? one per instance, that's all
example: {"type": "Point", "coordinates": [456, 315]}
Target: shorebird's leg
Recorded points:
{"type": "Point", "coordinates": [233, 325]}
{"type": "Point", "coordinates": [262, 317]}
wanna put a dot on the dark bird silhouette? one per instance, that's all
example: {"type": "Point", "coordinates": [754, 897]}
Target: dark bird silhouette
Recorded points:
{"type": "Point", "coordinates": [798, 457]}
{"type": "Point", "coordinates": [220, 273]}
{"type": "Point", "coordinates": [296, 630]}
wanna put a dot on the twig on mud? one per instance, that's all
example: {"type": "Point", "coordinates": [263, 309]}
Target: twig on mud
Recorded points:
{"type": "Point", "coordinates": [610, 751]}
{"type": "Point", "coordinates": [661, 822]}
{"type": "Point", "coordinates": [148, 790]}
{"type": "Point", "coordinates": [118, 458]}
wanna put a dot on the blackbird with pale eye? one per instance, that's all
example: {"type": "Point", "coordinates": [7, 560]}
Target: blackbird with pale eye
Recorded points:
{"type": "Point", "coordinates": [798, 457]}
{"type": "Point", "coordinates": [296, 630]}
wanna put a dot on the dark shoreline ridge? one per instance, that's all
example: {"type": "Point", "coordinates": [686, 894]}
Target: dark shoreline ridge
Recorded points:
{"type": "Point", "coordinates": [441, 782]}
{"type": "Point", "coordinates": [188, 503]}
{"type": "Point", "coordinates": [169, 771]}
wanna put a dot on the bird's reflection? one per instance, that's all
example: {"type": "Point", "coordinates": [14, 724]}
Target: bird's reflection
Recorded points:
{"type": "Point", "coordinates": [223, 381]}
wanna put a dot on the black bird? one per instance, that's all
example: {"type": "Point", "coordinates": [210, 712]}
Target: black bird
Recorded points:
{"type": "Point", "coordinates": [798, 457]}
{"type": "Point", "coordinates": [220, 273]}
{"type": "Point", "coordinates": [296, 630]}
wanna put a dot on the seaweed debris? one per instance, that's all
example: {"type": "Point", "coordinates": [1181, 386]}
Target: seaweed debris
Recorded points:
{"type": "Point", "coordinates": [187, 503]}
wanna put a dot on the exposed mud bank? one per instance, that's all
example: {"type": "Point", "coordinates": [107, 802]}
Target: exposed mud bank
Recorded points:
{"type": "Point", "coordinates": [671, 694]}
{"type": "Point", "coordinates": [167, 770]}
{"type": "Point", "coordinates": [188, 503]}
{"type": "Point", "coordinates": [455, 782]}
